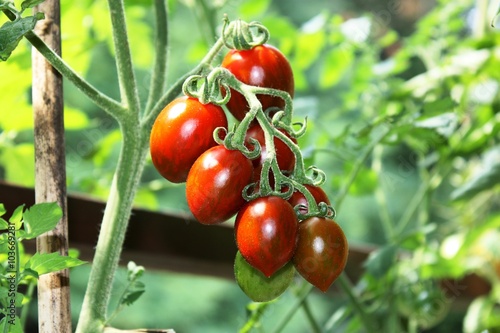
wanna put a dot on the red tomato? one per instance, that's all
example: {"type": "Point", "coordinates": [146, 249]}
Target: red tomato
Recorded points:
{"type": "Point", "coordinates": [215, 183]}
{"type": "Point", "coordinates": [266, 233]}
{"type": "Point", "coordinates": [181, 133]}
{"type": "Point", "coordinates": [317, 192]}
{"type": "Point", "coordinates": [284, 155]}
{"type": "Point", "coordinates": [263, 66]}
{"type": "Point", "coordinates": [321, 253]}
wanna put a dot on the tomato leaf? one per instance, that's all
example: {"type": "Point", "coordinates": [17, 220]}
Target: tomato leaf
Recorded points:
{"type": "Point", "coordinates": [8, 5]}
{"type": "Point", "coordinates": [4, 225]}
{"type": "Point", "coordinates": [30, 4]}
{"type": "Point", "coordinates": [17, 217]}
{"type": "Point", "coordinates": [14, 325]}
{"type": "Point", "coordinates": [487, 178]}
{"type": "Point", "coordinates": [12, 32]}
{"type": "Point", "coordinates": [133, 295]}
{"type": "Point", "coordinates": [43, 263]}
{"type": "Point", "coordinates": [41, 218]}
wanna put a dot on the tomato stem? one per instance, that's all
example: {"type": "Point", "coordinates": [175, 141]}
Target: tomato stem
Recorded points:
{"type": "Point", "coordinates": [216, 88]}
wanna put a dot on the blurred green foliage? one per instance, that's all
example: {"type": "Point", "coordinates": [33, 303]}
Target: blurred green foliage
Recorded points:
{"type": "Point", "coordinates": [402, 100]}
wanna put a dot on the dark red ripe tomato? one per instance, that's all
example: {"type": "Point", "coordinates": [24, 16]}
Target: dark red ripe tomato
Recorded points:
{"type": "Point", "coordinates": [321, 252]}
{"type": "Point", "coordinates": [266, 233]}
{"type": "Point", "coordinates": [284, 155]}
{"type": "Point", "coordinates": [181, 133]}
{"type": "Point", "coordinates": [317, 192]}
{"type": "Point", "coordinates": [263, 66]}
{"type": "Point", "coordinates": [215, 183]}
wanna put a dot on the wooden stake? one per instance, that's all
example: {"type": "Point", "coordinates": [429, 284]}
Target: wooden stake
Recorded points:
{"type": "Point", "coordinates": [54, 313]}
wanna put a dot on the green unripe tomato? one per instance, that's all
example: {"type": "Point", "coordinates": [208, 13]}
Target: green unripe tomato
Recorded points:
{"type": "Point", "coordinates": [256, 285]}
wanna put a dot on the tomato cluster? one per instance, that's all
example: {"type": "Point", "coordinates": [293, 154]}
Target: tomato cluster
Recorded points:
{"type": "Point", "coordinates": [272, 240]}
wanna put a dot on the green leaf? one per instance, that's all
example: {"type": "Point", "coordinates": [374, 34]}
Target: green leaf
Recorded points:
{"type": "Point", "coordinates": [381, 260]}
{"type": "Point", "coordinates": [51, 262]}
{"type": "Point", "coordinates": [41, 218]}
{"type": "Point", "coordinates": [30, 272]}
{"type": "Point", "coordinates": [12, 32]}
{"type": "Point", "coordinates": [8, 5]}
{"type": "Point", "coordinates": [30, 4]}
{"type": "Point", "coordinates": [487, 178]}
{"type": "Point", "coordinates": [4, 225]}
{"type": "Point", "coordinates": [14, 324]}
{"type": "Point", "coordinates": [2, 209]}
{"type": "Point", "coordinates": [132, 296]}
{"type": "Point", "coordinates": [17, 217]}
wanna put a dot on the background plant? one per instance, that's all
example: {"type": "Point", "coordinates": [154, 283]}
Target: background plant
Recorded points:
{"type": "Point", "coordinates": [408, 139]}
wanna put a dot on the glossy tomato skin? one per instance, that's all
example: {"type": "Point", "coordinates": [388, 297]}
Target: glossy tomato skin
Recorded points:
{"type": "Point", "coordinates": [263, 66]}
{"type": "Point", "coordinates": [284, 155]}
{"type": "Point", "coordinates": [321, 253]}
{"type": "Point", "coordinates": [317, 192]}
{"type": "Point", "coordinates": [215, 183]}
{"type": "Point", "coordinates": [181, 133]}
{"type": "Point", "coordinates": [266, 233]}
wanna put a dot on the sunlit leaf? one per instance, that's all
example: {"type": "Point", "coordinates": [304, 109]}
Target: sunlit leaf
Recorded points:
{"type": "Point", "coordinates": [14, 325]}
{"type": "Point", "coordinates": [4, 225]}
{"type": "Point", "coordinates": [41, 218]}
{"type": "Point", "coordinates": [51, 262]}
{"type": "Point", "coordinates": [30, 3]}
{"type": "Point", "coordinates": [12, 32]}
{"type": "Point", "coordinates": [17, 217]}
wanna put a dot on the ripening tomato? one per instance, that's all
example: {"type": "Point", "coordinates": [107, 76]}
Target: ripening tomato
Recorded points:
{"type": "Point", "coordinates": [317, 192]}
{"type": "Point", "coordinates": [321, 253]}
{"type": "Point", "coordinates": [263, 66]}
{"type": "Point", "coordinates": [215, 183]}
{"type": "Point", "coordinates": [266, 233]}
{"type": "Point", "coordinates": [284, 155]}
{"type": "Point", "coordinates": [181, 133]}
{"type": "Point", "coordinates": [259, 287]}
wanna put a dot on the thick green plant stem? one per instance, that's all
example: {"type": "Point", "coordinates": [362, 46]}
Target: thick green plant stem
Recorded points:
{"type": "Point", "coordinates": [114, 226]}
{"type": "Point", "coordinates": [159, 70]}
{"type": "Point", "coordinates": [126, 74]}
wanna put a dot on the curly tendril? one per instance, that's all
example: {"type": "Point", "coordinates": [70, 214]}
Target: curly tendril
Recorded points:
{"type": "Point", "coordinates": [318, 177]}
{"type": "Point", "coordinates": [241, 35]}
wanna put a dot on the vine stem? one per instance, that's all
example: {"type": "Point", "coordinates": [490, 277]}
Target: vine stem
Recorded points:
{"type": "Point", "coordinates": [126, 74]}
{"type": "Point", "coordinates": [112, 233]}
{"type": "Point", "coordinates": [158, 76]}
{"type": "Point", "coordinates": [105, 102]}
{"type": "Point", "coordinates": [129, 169]}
